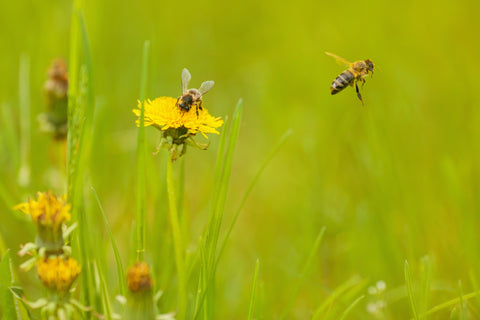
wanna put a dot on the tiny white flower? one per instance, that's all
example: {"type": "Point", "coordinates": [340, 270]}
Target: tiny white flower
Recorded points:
{"type": "Point", "coordinates": [381, 285]}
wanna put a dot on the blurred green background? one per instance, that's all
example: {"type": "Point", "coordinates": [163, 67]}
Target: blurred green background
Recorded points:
{"type": "Point", "coordinates": [394, 180]}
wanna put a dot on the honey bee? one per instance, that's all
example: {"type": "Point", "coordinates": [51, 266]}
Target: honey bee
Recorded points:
{"type": "Point", "coordinates": [357, 71]}
{"type": "Point", "coordinates": [192, 97]}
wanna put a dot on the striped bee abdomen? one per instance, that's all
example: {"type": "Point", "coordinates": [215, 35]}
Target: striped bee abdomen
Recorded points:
{"type": "Point", "coordinates": [342, 81]}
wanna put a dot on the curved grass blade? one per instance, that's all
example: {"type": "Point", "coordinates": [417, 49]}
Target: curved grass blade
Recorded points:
{"type": "Point", "coordinates": [350, 307]}
{"type": "Point", "coordinates": [306, 268]}
{"type": "Point", "coordinates": [118, 260]}
{"type": "Point", "coordinates": [334, 295]}
{"type": "Point", "coordinates": [409, 281]}
{"type": "Point", "coordinates": [254, 181]}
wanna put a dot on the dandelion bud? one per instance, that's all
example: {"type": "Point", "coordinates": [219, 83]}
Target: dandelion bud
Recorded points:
{"type": "Point", "coordinates": [140, 300]}
{"type": "Point", "coordinates": [139, 278]}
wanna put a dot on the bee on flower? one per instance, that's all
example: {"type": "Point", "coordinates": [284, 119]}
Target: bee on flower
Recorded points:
{"type": "Point", "coordinates": [179, 119]}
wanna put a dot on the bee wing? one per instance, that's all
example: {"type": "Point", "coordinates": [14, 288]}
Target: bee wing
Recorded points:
{"type": "Point", "coordinates": [339, 59]}
{"type": "Point", "coordinates": [186, 77]}
{"type": "Point", "coordinates": [206, 86]}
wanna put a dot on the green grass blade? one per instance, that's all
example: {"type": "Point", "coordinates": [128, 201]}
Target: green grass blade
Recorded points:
{"type": "Point", "coordinates": [73, 72]}
{"type": "Point", "coordinates": [9, 304]}
{"type": "Point", "coordinates": [219, 162]}
{"type": "Point", "coordinates": [409, 281]}
{"type": "Point", "coordinates": [217, 209]}
{"type": "Point", "coordinates": [253, 294]}
{"type": "Point", "coordinates": [306, 268]}
{"type": "Point", "coordinates": [141, 154]}
{"type": "Point", "coordinates": [177, 238]}
{"type": "Point", "coordinates": [224, 181]}
{"type": "Point", "coordinates": [462, 305]}
{"type": "Point", "coordinates": [118, 260]}
{"type": "Point", "coordinates": [350, 307]}
{"type": "Point", "coordinates": [107, 309]}
{"type": "Point", "coordinates": [254, 181]}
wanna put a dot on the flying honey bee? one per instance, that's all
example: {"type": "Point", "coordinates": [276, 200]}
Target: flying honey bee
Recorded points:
{"type": "Point", "coordinates": [192, 97]}
{"type": "Point", "coordinates": [357, 71]}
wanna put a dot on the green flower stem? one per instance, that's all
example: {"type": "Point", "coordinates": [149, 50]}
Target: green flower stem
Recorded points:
{"type": "Point", "coordinates": [177, 238]}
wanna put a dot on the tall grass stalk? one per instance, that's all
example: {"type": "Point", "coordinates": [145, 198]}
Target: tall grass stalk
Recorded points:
{"type": "Point", "coordinates": [80, 118]}
{"type": "Point", "coordinates": [141, 155]}
{"type": "Point", "coordinates": [177, 238]}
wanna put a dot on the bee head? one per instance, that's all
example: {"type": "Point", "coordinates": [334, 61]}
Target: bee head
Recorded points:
{"type": "Point", "coordinates": [370, 65]}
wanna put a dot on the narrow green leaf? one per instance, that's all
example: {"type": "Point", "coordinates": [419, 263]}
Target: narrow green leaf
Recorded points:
{"type": "Point", "coordinates": [409, 281]}
{"type": "Point", "coordinates": [254, 291]}
{"type": "Point", "coordinates": [306, 268]}
{"type": "Point", "coordinates": [118, 260]}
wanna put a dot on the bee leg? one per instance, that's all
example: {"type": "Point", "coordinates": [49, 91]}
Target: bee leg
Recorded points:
{"type": "Point", "coordinates": [177, 101]}
{"type": "Point", "coordinates": [358, 93]}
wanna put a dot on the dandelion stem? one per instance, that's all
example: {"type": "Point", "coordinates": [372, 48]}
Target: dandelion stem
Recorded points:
{"type": "Point", "coordinates": [177, 238]}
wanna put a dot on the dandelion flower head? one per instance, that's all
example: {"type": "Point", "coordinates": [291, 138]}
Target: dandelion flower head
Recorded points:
{"type": "Point", "coordinates": [164, 114]}
{"type": "Point", "coordinates": [48, 210]}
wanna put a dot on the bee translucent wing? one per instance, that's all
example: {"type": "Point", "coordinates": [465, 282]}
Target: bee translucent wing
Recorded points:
{"type": "Point", "coordinates": [186, 77]}
{"type": "Point", "coordinates": [206, 86]}
{"type": "Point", "coordinates": [339, 59]}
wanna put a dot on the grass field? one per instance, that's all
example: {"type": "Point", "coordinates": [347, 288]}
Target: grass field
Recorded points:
{"type": "Point", "coordinates": [344, 211]}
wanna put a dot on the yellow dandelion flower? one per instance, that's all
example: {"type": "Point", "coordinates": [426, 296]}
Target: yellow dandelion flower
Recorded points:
{"type": "Point", "coordinates": [47, 211]}
{"type": "Point", "coordinates": [164, 114]}
{"type": "Point", "coordinates": [139, 278]}
{"type": "Point", "coordinates": [58, 273]}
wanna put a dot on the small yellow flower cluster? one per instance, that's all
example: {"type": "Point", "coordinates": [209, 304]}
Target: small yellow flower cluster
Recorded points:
{"type": "Point", "coordinates": [139, 278]}
{"type": "Point", "coordinates": [47, 211]}
{"type": "Point", "coordinates": [163, 113]}
{"type": "Point", "coordinates": [58, 273]}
